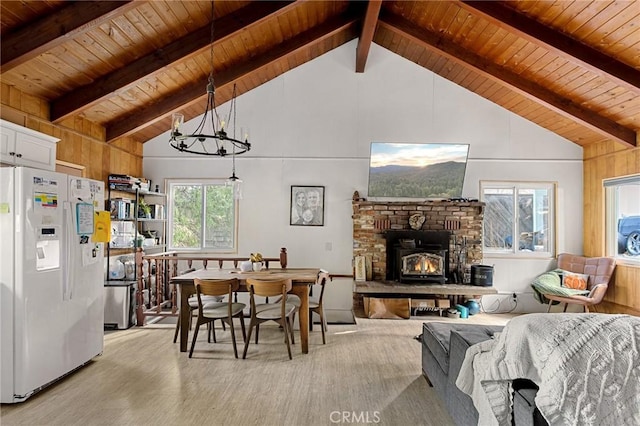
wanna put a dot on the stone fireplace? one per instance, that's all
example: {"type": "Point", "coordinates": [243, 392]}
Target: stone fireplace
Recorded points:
{"type": "Point", "coordinates": [381, 228]}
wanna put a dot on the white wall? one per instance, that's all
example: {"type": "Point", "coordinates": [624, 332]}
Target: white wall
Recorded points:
{"type": "Point", "coordinates": [314, 125]}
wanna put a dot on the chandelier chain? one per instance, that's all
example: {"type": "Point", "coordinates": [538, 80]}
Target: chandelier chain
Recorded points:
{"type": "Point", "coordinates": [222, 132]}
{"type": "Point", "coordinates": [212, 38]}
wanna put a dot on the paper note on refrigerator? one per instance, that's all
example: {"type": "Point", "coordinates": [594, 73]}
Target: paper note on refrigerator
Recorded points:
{"type": "Point", "coordinates": [102, 227]}
{"type": "Point", "coordinates": [84, 218]}
{"type": "Point", "coordinates": [45, 200]}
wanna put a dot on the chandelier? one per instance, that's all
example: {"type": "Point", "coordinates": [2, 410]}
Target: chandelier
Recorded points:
{"type": "Point", "coordinates": [211, 136]}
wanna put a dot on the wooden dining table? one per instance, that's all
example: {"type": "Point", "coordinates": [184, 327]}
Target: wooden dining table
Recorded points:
{"type": "Point", "coordinates": [301, 279]}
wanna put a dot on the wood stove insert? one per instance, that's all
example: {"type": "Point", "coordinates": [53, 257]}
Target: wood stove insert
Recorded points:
{"type": "Point", "coordinates": [425, 260]}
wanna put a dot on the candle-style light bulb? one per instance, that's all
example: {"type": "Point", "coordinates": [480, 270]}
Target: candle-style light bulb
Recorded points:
{"type": "Point", "coordinates": [176, 121]}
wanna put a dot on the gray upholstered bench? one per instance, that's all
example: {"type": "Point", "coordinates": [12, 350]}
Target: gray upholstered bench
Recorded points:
{"type": "Point", "coordinates": [444, 345]}
{"type": "Point", "coordinates": [443, 348]}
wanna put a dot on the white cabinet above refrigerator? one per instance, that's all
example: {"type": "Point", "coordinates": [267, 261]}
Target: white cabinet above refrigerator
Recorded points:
{"type": "Point", "coordinates": [21, 146]}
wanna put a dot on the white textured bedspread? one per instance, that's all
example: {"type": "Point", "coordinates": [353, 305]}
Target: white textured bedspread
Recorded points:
{"type": "Point", "coordinates": [586, 365]}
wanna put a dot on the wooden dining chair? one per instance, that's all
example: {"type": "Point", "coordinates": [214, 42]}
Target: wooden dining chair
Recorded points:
{"type": "Point", "coordinates": [280, 312]}
{"type": "Point", "coordinates": [315, 305]}
{"type": "Point", "coordinates": [193, 307]}
{"type": "Point", "coordinates": [224, 311]}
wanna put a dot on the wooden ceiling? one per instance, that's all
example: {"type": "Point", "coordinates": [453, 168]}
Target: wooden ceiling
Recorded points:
{"type": "Point", "coordinates": [572, 67]}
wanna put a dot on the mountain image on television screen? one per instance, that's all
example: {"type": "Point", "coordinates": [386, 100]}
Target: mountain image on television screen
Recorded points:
{"type": "Point", "coordinates": [417, 170]}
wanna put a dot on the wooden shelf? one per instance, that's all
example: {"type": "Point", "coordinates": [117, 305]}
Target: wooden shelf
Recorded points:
{"type": "Point", "coordinates": [116, 251]}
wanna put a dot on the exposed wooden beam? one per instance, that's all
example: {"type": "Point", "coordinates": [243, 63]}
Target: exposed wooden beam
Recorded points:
{"type": "Point", "coordinates": [435, 42]}
{"type": "Point", "coordinates": [194, 92]}
{"type": "Point", "coordinates": [555, 41]}
{"type": "Point", "coordinates": [38, 37]}
{"type": "Point", "coordinates": [366, 35]}
{"type": "Point", "coordinates": [179, 50]}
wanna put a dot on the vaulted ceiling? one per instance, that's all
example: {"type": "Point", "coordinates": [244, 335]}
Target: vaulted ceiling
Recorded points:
{"type": "Point", "coordinates": [572, 67]}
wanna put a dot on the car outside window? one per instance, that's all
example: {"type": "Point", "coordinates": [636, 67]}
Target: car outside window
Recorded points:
{"type": "Point", "coordinates": [622, 206]}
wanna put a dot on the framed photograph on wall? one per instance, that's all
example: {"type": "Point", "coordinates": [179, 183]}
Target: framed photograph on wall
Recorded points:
{"type": "Point", "coordinates": [307, 205]}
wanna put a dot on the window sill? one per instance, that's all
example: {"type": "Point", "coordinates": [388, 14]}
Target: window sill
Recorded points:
{"type": "Point", "coordinates": [627, 262]}
{"type": "Point", "coordinates": [495, 255]}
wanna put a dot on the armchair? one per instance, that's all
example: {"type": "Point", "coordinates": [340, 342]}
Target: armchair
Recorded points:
{"type": "Point", "coordinates": [599, 269]}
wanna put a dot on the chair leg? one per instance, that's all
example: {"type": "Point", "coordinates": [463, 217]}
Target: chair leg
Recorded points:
{"type": "Point", "coordinates": [290, 325]}
{"type": "Point", "coordinates": [293, 342]}
{"type": "Point", "coordinates": [565, 307]}
{"type": "Point", "coordinates": [323, 325]}
{"type": "Point", "coordinates": [213, 331]}
{"type": "Point", "coordinates": [175, 335]}
{"type": "Point", "coordinates": [233, 336]}
{"type": "Point", "coordinates": [247, 340]}
{"type": "Point", "coordinates": [286, 337]}
{"type": "Point", "coordinates": [257, 332]}
{"type": "Point", "coordinates": [195, 336]}
{"type": "Point", "coordinates": [244, 333]}
{"type": "Point", "coordinates": [549, 308]}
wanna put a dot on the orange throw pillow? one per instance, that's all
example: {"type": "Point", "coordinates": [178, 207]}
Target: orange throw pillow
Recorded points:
{"type": "Point", "coordinates": [575, 281]}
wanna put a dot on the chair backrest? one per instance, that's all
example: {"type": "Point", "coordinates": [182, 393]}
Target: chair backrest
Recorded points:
{"type": "Point", "coordinates": [599, 269]}
{"type": "Point", "coordinates": [323, 276]}
{"type": "Point", "coordinates": [267, 288]}
{"type": "Point", "coordinates": [215, 287]}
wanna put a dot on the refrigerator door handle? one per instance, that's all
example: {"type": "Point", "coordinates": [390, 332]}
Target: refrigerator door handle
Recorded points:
{"type": "Point", "coordinates": [68, 220]}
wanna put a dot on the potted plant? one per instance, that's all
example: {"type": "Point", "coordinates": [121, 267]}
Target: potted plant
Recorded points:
{"type": "Point", "coordinates": [256, 261]}
{"type": "Point", "coordinates": [144, 209]}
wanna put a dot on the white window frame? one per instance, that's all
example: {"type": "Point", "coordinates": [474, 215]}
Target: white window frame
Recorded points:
{"type": "Point", "coordinates": [612, 215]}
{"type": "Point", "coordinates": [552, 189]}
{"type": "Point", "coordinates": [204, 182]}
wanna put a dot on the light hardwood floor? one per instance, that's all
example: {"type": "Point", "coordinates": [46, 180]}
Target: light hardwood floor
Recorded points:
{"type": "Point", "coordinates": [367, 373]}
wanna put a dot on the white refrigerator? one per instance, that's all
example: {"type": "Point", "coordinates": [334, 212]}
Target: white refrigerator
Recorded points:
{"type": "Point", "coordinates": [51, 277]}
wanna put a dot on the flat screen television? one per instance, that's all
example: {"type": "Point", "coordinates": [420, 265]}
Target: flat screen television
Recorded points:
{"type": "Point", "coordinates": [417, 170]}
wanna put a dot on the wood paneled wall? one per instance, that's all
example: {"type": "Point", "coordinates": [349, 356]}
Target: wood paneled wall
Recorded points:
{"type": "Point", "coordinates": [81, 141]}
{"type": "Point", "coordinates": [602, 161]}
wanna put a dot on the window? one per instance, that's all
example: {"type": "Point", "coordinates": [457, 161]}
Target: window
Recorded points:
{"type": "Point", "coordinates": [622, 204]}
{"type": "Point", "coordinates": [202, 216]}
{"type": "Point", "coordinates": [519, 218]}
